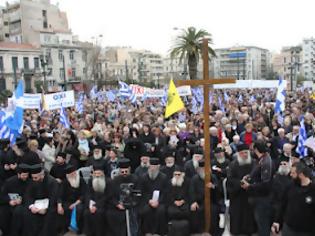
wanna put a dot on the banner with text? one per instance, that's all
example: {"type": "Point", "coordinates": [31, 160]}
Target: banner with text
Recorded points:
{"type": "Point", "coordinates": [61, 99]}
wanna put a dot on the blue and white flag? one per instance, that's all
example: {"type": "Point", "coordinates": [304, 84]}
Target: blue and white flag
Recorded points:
{"type": "Point", "coordinates": [11, 124]}
{"type": "Point", "coordinates": [280, 100]}
{"type": "Point", "coordinates": [64, 119]}
{"type": "Point", "coordinates": [252, 99]}
{"type": "Point", "coordinates": [126, 92]}
{"type": "Point", "coordinates": [79, 104]}
{"type": "Point", "coordinates": [240, 98]}
{"type": "Point", "coordinates": [301, 149]}
{"type": "Point", "coordinates": [221, 105]}
{"type": "Point", "coordinates": [93, 92]}
{"type": "Point", "coordinates": [73, 221]}
{"type": "Point", "coordinates": [194, 105]}
{"type": "Point", "coordinates": [110, 96]}
{"type": "Point", "coordinates": [226, 97]}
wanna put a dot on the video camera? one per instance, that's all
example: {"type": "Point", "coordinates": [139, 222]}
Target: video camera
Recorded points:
{"type": "Point", "coordinates": [129, 196]}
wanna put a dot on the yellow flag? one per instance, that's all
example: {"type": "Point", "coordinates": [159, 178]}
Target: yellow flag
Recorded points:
{"type": "Point", "coordinates": [312, 96]}
{"type": "Point", "coordinates": [174, 102]}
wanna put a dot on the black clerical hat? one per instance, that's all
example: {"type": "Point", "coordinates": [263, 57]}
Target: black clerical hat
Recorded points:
{"type": "Point", "coordinates": [70, 168]}
{"type": "Point", "coordinates": [242, 147]}
{"type": "Point", "coordinates": [154, 161]}
{"type": "Point", "coordinates": [62, 154]}
{"type": "Point", "coordinates": [98, 166]}
{"type": "Point", "coordinates": [218, 150]}
{"type": "Point", "coordinates": [36, 169]}
{"type": "Point", "coordinates": [23, 168]}
{"type": "Point", "coordinates": [124, 163]}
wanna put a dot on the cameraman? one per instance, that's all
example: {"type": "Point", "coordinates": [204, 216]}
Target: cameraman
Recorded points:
{"type": "Point", "coordinates": [120, 201]}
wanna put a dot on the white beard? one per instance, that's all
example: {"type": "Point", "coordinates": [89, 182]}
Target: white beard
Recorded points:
{"type": "Point", "coordinates": [169, 165]}
{"type": "Point", "coordinates": [195, 163]}
{"type": "Point", "coordinates": [74, 182]}
{"type": "Point", "coordinates": [144, 164]}
{"type": "Point", "coordinates": [201, 173]}
{"type": "Point", "coordinates": [221, 160]}
{"type": "Point", "coordinates": [284, 170]}
{"type": "Point", "coordinates": [153, 175]}
{"type": "Point", "coordinates": [97, 157]}
{"type": "Point", "coordinates": [99, 184]}
{"type": "Point", "coordinates": [178, 181]}
{"type": "Point", "coordinates": [243, 162]}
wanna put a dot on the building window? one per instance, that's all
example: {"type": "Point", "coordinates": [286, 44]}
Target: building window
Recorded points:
{"type": "Point", "coordinates": [60, 55]}
{"type": "Point", "coordinates": [2, 84]}
{"type": "Point", "coordinates": [15, 64]}
{"type": "Point", "coordinates": [7, 35]}
{"type": "Point", "coordinates": [45, 25]}
{"type": "Point", "coordinates": [36, 62]}
{"type": "Point", "coordinates": [73, 73]}
{"type": "Point", "coordinates": [26, 63]}
{"type": "Point", "coordinates": [1, 63]}
{"type": "Point", "coordinates": [44, 13]}
{"type": "Point", "coordinates": [71, 55]}
{"type": "Point", "coordinates": [62, 73]}
{"type": "Point", "coordinates": [6, 23]}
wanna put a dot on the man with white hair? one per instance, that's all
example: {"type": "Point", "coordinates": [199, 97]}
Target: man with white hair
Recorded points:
{"type": "Point", "coordinates": [191, 165]}
{"type": "Point", "coordinates": [97, 200]}
{"type": "Point", "coordinates": [235, 143]}
{"type": "Point", "coordinates": [277, 144]}
{"type": "Point", "coordinates": [178, 203]}
{"type": "Point", "coordinates": [241, 212]}
{"type": "Point", "coordinates": [152, 210]}
{"type": "Point", "coordinates": [214, 140]}
{"type": "Point", "coordinates": [72, 195]}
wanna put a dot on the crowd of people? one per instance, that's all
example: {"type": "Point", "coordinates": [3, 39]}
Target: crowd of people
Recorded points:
{"type": "Point", "coordinates": [120, 156]}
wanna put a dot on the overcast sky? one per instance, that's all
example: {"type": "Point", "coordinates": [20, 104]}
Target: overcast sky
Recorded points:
{"type": "Point", "coordinates": [149, 24]}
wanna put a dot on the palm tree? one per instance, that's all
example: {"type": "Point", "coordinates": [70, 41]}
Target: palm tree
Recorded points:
{"type": "Point", "coordinates": [188, 46]}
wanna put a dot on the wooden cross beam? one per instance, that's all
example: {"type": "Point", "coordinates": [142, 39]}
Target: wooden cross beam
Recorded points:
{"type": "Point", "coordinates": [206, 83]}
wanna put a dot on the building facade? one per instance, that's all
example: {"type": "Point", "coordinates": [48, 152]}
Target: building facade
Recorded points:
{"type": "Point", "coordinates": [19, 61]}
{"type": "Point", "coordinates": [308, 49]}
{"type": "Point", "coordinates": [243, 63]}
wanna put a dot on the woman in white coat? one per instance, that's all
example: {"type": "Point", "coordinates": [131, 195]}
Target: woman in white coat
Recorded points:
{"type": "Point", "coordinates": [49, 151]}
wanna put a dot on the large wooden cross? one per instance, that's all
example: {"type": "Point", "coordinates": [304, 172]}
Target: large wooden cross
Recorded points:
{"type": "Point", "coordinates": [206, 83]}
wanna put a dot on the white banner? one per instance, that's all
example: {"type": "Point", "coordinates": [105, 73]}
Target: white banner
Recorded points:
{"type": "Point", "coordinates": [32, 101]}
{"type": "Point", "coordinates": [249, 84]}
{"type": "Point", "coordinates": [156, 93]}
{"type": "Point", "coordinates": [61, 99]}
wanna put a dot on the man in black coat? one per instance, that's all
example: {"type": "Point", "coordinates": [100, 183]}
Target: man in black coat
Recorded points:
{"type": "Point", "coordinates": [242, 219]}
{"type": "Point", "coordinates": [40, 219]}
{"type": "Point", "coordinates": [191, 165]}
{"type": "Point", "coordinates": [170, 166]}
{"type": "Point", "coordinates": [196, 194]}
{"type": "Point", "coordinates": [153, 186]}
{"type": "Point", "coordinates": [72, 195]}
{"type": "Point", "coordinates": [178, 203]}
{"type": "Point", "coordinates": [297, 211]}
{"type": "Point", "coordinates": [144, 165]}
{"type": "Point", "coordinates": [119, 202]}
{"type": "Point", "coordinates": [58, 170]}
{"type": "Point", "coordinates": [97, 200]}
{"type": "Point", "coordinates": [11, 202]}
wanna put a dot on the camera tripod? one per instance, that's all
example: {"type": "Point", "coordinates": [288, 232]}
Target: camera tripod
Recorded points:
{"type": "Point", "coordinates": [128, 222]}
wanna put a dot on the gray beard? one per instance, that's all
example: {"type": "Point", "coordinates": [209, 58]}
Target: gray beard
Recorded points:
{"type": "Point", "coordinates": [153, 175]}
{"type": "Point", "coordinates": [221, 160]}
{"type": "Point", "coordinates": [178, 181]}
{"type": "Point", "coordinates": [201, 173]}
{"type": "Point", "coordinates": [284, 170]}
{"type": "Point", "coordinates": [97, 157]}
{"type": "Point", "coordinates": [99, 184]}
{"type": "Point", "coordinates": [195, 164]}
{"type": "Point", "coordinates": [74, 182]}
{"type": "Point", "coordinates": [243, 162]}
{"type": "Point", "coordinates": [144, 164]}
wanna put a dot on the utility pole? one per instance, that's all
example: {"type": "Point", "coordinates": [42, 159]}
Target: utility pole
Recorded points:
{"type": "Point", "coordinates": [44, 63]}
{"type": "Point", "coordinates": [64, 73]}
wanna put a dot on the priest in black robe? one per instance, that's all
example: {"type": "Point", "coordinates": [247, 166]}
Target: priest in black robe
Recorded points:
{"type": "Point", "coordinates": [192, 165]}
{"type": "Point", "coordinates": [11, 202]}
{"type": "Point", "coordinates": [97, 200]}
{"type": "Point", "coordinates": [153, 205]}
{"type": "Point", "coordinates": [144, 164]}
{"type": "Point", "coordinates": [116, 214]}
{"type": "Point", "coordinates": [72, 195]}
{"type": "Point", "coordinates": [178, 203]}
{"type": "Point", "coordinates": [40, 219]}
{"type": "Point", "coordinates": [197, 208]}
{"type": "Point", "coordinates": [242, 219]}
{"type": "Point", "coordinates": [170, 166]}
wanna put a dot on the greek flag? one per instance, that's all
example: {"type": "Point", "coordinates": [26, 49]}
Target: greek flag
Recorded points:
{"type": "Point", "coordinates": [11, 122]}
{"type": "Point", "coordinates": [301, 149]}
{"type": "Point", "coordinates": [221, 105]}
{"type": "Point", "coordinates": [240, 98]}
{"type": "Point", "coordinates": [194, 107]}
{"type": "Point", "coordinates": [93, 92]}
{"type": "Point", "coordinates": [280, 101]}
{"type": "Point", "coordinates": [252, 99]}
{"type": "Point", "coordinates": [79, 104]}
{"type": "Point", "coordinates": [64, 119]}
{"type": "Point", "coordinates": [126, 92]}
{"type": "Point", "coordinates": [110, 96]}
